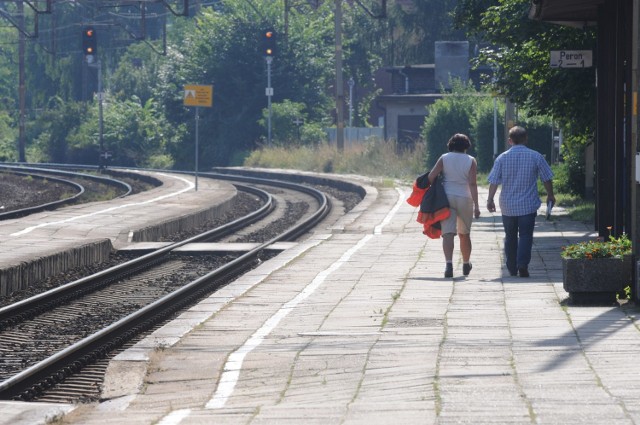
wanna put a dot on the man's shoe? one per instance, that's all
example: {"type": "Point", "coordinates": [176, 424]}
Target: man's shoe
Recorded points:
{"type": "Point", "coordinates": [512, 272]}
{"type": "Point", "coordinates": [466, 268]}
{"type": "Point", "coordinates": [523, 272]}
{"type": "Point", "coordinates": [448, 271]}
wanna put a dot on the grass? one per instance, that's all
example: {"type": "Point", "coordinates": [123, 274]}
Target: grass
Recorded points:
{"type": "Point", "coordinates": [372, 159]}
{"type": "Point", "coordinates": [578, 208]}
{"type": "Point", "coordinates": [381, 160]}
{"type": "Point", "coordinates": [584, 212]}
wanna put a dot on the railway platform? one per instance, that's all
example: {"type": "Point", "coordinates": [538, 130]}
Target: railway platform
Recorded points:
{"type": "Point", "coordinates": [50, 242]}
{"type": "Point", "coordinates": [357, 325]}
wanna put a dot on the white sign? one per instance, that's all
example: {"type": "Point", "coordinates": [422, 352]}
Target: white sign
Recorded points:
{"type": "Point", "coordinates": [269, 91]}
{"type": "Point", "coordinates": [571, 58]}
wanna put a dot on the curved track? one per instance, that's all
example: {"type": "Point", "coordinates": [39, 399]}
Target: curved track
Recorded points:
{"type": "Point", "coordinates": [30, 382]}
{"type": "Point", "coordinates": [51, 175]}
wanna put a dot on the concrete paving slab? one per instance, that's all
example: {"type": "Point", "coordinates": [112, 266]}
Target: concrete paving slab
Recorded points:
{"type": "Point", "coordinates": [21, 413]}
{"type": "Point", "coordinates": [358, 326]}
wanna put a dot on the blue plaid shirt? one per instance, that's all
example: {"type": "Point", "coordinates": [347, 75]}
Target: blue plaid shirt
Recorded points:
{"type": "Point", "coordinates": [517, 170]}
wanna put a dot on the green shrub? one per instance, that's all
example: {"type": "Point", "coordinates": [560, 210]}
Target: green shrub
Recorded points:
{"type": "Point", "coordinates": [159, 161]}
{"type": "Point", "coordinates": [8, 137]}
{"type": "Point", "coordinates": [466, 111]}
{"type": "Point", "coordinates": [483, 133]}
{"type": "Point", "coordinates": [447, 116]}
{"type": "Point", "coordinates": [573, 156]}
{"type": "Point", "coordinates": [539, 133]}
{"type": "Point", "coordinates": [285, 131]}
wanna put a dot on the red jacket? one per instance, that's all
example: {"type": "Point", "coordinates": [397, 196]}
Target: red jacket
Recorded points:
{"type": "Point", "coordinates": [433, 203]}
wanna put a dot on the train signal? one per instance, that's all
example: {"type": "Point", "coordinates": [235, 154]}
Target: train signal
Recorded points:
{"type": "Point", "coordinates": [269, 42]}
{"type": "Point", "coordinates": [89, 41]}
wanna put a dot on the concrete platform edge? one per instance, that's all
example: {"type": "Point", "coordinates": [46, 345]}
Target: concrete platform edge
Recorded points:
{"type": "Point", "coordinates": [126, 372]}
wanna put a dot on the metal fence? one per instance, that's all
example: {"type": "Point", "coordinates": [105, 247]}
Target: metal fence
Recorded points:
{"type": "Point", "coordinates": [356, 135]}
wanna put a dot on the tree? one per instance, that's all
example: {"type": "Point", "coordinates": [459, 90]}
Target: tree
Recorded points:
{"type": "Point", "coordinates": [223, 51]}
{"type": "Point", "coordinates": [136, 73]}
{"type": "Point", "coordinates": [518, 48]}
{"type": "Point", "coordinates": [53, 126]}
{"type": "Point", "coordinates": [290, 126]}
{"type": "Point", "coordinates": [135, 133]}
{"type": "Point", "coordinates": [415, 29]}
{"type": "Point", "coordinates": [8, 151]}
{"type": "Point", "coordinates": [482, 135]}
{"type": "Point", "coordinates": [454, 113]}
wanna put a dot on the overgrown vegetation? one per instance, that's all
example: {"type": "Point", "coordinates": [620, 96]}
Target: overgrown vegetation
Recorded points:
{"type": "Point", "coordinates": [382, 160]}
{"type": "Point", "coordinates": [470, 111]}
{"type": "Point", "coordinates": [146, 122]}
{"type": "Point", "coordinates": [517, 49]}
{"type": "Point", "coordinates": [374, 158]}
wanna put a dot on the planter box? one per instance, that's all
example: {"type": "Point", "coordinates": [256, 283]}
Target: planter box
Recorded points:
{"type": "Point", "coordinates": [596, 281]}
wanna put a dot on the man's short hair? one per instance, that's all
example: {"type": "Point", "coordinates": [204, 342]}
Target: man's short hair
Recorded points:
{"type": "Point", "coordinates": [518, 135]}
{"type": "Point", "coordinates": [458, 143]}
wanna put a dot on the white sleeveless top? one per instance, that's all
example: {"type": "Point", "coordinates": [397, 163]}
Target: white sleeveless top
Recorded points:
{"type": "Point", "coordinates": [455, 172]}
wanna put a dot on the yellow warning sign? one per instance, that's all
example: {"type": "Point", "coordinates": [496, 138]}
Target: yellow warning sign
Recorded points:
{"type": "Point", "coordinates": [198, 95]}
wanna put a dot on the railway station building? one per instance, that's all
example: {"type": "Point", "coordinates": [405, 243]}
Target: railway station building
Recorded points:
{"type": "Point", "coordinates": [407, 91]}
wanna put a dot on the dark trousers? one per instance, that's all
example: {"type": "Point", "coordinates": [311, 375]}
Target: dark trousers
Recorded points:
{"type": "Point", "coordinates": [518, 240]}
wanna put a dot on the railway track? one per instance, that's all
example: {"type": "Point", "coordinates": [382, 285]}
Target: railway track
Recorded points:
{"type": "Point", "coordinates": [50, 337]}
{"type": "Point", "coordinates": [72, 180]}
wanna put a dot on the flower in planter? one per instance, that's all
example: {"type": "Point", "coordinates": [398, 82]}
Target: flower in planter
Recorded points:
{"type": "Point", "coordinates": [613, 247]}
{"type": "Point", "coordinates": [595, 272]}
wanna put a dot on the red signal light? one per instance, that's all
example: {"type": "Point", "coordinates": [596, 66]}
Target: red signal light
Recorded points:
{"type": "Point", "coordinates": [269, 42]}
{"type": "Point", "coordinates": [89, 41]}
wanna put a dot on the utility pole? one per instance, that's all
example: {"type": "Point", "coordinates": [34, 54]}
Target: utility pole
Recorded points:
{"type": "Point", "coordinates": [339, 87]}
{"type": "Point", "coordinates": [21, 85]}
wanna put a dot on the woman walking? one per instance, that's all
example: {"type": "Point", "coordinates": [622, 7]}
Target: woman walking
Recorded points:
{"type": "Point", "coordinates": [458, 172]}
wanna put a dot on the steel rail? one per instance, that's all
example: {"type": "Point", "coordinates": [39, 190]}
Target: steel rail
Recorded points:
{"type": "Point", "coordinates": [30, 307]}
{"type": "Point", "coordinates": [35, 379]}
{"type": "Point", "coordinates": [294, 232]}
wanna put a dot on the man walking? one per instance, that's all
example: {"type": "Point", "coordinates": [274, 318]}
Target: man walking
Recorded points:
{"type": "Point", "coordinates": [518, 170]}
